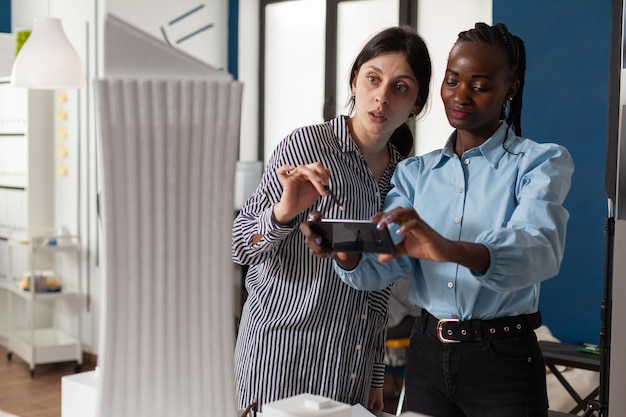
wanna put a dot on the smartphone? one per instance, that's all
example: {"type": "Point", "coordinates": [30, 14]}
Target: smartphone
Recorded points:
{"type": "Point", "coordinates": [353, 236]}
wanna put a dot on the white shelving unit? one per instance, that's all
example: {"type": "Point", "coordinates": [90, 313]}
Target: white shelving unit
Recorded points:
{"type": "Point", "coordinates": [25, 338]}
{"type": "Point", "coordinates": [26, 169]}
{"type": "Point", "coordinates": [26, 172]}
{"type": "Point", "coordinates": [38, 327]}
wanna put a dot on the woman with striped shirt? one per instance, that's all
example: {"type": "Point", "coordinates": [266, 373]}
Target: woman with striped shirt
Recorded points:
{"type": "Point", "coordinates": [302, 330]}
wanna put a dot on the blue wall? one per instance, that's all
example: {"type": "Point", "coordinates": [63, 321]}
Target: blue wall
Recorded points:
{"type": "Point", "coordinates": [5, 16]}
{"type": "Point", "coordinates": [233, 38]}
{"type": "Point", "coordinates": [565, 101]}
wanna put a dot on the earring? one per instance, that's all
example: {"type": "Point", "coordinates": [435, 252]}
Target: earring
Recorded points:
{"type": "Point", "coordinates": [505, 105]}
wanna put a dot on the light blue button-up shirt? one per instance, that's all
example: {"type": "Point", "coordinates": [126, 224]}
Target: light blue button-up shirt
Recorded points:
{"type": "Point", "coordinates": [506, 194]}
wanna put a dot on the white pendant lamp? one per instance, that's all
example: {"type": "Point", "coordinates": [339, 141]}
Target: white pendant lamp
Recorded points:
{"type": "Point", "coordinates": [47, 60]}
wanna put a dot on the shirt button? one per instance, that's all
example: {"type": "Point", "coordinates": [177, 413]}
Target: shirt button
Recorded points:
{"type": "Point", "coordinates": [466, 161]}
{"type": "Point", "coordinates": [358, 347]}
{"type": "Point", "coordinates": [353, 376]}
{"type": "Point", "coordinates": [377, 194]}
{"type": "Point", "coordinates": [450, 284]}
{"type": "Point", "coordinates": [363, 316]}
{"type": "Point", "coordinates": [457, 220]}
{"type": "Point", "coordinates": [461, 190]}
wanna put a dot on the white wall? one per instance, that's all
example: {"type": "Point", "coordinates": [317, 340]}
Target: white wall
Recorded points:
{"type": "Point", "coordinates": [617, 401]}
{"type": "Point", "coordinates": [180, 19]}
{"type": "Point", "coordinates": [23, 12]}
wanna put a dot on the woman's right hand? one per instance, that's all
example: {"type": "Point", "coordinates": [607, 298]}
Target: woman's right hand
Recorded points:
{"type": "Point", "coordinates": [302, 185]}
{"type": "Point", "coordinates": [316, 246]}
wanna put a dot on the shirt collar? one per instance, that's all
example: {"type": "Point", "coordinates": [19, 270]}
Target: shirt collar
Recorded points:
{"type": "Point", "coordinates": [492, 149]}
{"type": "Point", "coordinates": [344, 141]}
{"type": "Point", "coordinates": [346, 144]}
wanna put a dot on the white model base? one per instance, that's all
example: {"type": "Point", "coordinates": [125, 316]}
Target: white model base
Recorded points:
{"type": "Point", "coordinates": [79, 394]}
{"type": "Point", "coordinates": [306, 405]}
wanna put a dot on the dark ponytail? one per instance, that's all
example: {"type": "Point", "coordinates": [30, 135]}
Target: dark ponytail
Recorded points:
{"type": "Point", "coordinates": [402, 139]}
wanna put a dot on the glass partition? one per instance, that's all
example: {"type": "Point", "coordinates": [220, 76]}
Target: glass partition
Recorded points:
{"type": "Point", "coordinates": [294, 68]}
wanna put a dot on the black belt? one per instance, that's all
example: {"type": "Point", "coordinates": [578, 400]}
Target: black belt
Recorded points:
{"type": "Point", "coordinates": [456, 331]}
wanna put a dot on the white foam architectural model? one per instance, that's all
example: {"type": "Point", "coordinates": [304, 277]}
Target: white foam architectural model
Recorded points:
{"type": "Point", "coordinates": [168, 134]}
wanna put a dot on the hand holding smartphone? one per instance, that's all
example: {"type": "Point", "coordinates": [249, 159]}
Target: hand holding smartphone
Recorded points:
{"type": "Point", "coordinates": [353, 236]}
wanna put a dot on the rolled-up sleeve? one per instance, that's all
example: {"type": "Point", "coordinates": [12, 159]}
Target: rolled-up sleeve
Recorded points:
{"type": "Point", "coordinates": [530, 248]}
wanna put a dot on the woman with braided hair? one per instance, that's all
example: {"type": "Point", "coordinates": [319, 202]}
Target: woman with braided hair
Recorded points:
{"type": "Point", "coordinates": [479, 225]}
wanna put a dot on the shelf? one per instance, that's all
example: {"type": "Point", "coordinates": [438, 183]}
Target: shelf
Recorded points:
{"type": "Point", "coordinates": [27, 196]}
{"type": "Point", "coordinates": [42, 296]}
{"type": "Point", "coordinates": [45, 345]}
{"type": "Point", "coordinates": [44, 241]}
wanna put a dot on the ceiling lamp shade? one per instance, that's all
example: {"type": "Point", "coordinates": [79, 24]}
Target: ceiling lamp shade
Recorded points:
{"type": "Point", "coordinates": [47, 60]}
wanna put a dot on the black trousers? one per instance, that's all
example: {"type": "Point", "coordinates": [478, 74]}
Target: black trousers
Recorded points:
{"type": "Point", "coordinates": [497, 378]}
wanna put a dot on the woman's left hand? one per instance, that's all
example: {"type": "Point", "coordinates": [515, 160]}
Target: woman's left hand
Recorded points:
{"type": "Point", "coordinates": [316, 246]}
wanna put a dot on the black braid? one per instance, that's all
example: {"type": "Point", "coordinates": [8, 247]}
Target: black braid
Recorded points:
{"type": "Point", "coordinates": [499, 34]}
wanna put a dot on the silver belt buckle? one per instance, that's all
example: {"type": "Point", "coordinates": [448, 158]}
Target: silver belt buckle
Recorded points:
{"type": "Point", "coordinates": [440, 335]}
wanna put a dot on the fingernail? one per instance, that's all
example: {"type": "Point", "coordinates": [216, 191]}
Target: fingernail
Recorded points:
{"type": "Point", "coordinates": [388, 218]}
{"type": "Point", "coordinates": [318, 240]}
{"type": "Point", "coordinates": [373, 217]}
{"type": "Point", "coordinates": [380, 225]}
{"type": "Point", "coordinates": [329, 254]}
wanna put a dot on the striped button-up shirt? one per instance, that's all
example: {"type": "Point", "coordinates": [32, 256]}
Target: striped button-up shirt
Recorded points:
{"type": "Point", "coordinates": [302, 329]}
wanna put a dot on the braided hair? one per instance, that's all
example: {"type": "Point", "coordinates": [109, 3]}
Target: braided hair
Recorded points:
{"type": "Point", "coordinates": [499, 35]}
